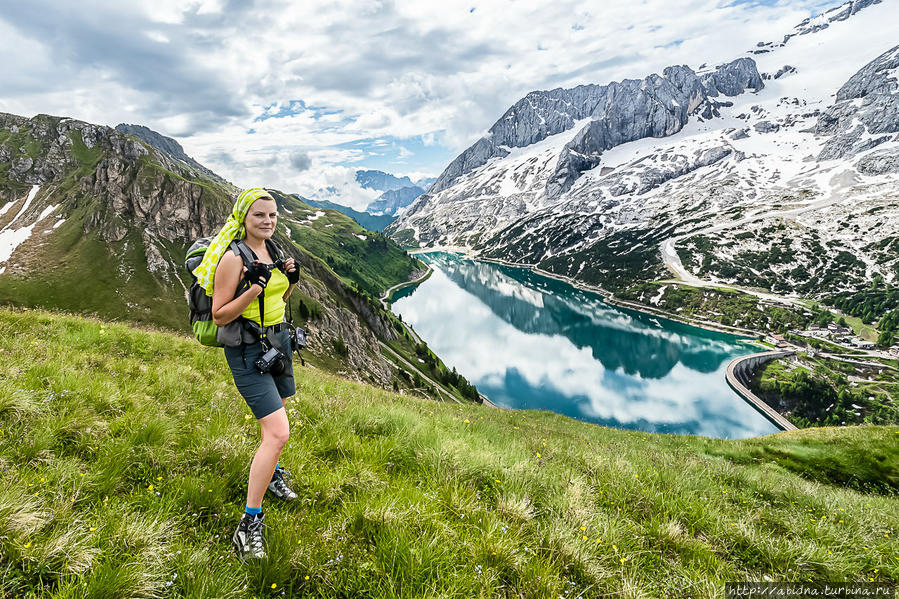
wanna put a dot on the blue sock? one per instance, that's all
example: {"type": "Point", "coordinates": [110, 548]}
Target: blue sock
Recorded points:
{"type": "Point", "coordinates": [253, 511]}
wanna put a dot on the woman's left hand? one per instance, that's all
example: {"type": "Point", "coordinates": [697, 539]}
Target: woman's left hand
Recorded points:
{"type": "Point", "coordinates": [291, 270]}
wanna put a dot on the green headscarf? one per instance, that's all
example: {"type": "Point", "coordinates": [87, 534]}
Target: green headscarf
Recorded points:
{"type": "Point", "coordinates": [233, 229]}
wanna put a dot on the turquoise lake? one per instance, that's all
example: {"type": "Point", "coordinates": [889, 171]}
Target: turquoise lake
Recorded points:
{"type": "Point", "coordinates": [531, 342]}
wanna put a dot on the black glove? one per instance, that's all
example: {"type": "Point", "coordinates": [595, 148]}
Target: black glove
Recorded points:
{"type": "Point", "coordinates": [293, 275]}
{"type": "Point", "coordinates": [257, 271]}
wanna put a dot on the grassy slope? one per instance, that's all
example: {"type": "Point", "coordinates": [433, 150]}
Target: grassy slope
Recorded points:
{"type": "Point", "coordinates": [91, 276]}
{"type": "Point", "coordinates": [123, 457]}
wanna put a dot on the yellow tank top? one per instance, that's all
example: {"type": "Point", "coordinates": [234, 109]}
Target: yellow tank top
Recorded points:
{"type": "Point", "coordinates": [274, 300]}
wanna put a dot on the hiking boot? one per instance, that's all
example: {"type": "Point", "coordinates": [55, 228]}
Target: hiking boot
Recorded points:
{"type": "Point", "coordinates": [248, 540]}
{"type": "Point", "coordinates": [279, 486]}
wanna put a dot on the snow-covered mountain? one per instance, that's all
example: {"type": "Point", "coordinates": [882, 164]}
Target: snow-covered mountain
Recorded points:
{"type": "Point", "coordinates": [777, 169]}
{"type": "Point", "coordinates": [399, 192]}
{"type": "Point", "coordinates": [393, 201]}
{"type": "Point", "coordinates": [381, 181]}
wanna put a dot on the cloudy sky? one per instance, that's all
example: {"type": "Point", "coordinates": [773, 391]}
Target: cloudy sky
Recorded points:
{"type": "Point", "coordinates": [298, 95]}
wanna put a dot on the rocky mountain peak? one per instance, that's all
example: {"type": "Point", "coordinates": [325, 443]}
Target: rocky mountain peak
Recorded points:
{"type": "Point", "coordinates": [167, 145]}
{"type": "Point", "coordinates": [866, 112]}
{"type": "Point", "coordinates": [702, 172]}
{"type": "Point", "coordinates": [381, 181]}
{"type": "Point", "coordinates": [618, 112]}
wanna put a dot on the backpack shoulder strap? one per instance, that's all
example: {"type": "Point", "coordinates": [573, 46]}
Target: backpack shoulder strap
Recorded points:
{"type": "Point", "coordinates": [276, 253]}
{"type": "Point", "coordinates": [243, 250]}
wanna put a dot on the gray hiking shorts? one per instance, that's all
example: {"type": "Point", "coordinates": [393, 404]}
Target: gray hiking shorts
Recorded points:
{"type": "Point", "coordinates": [262, 392]}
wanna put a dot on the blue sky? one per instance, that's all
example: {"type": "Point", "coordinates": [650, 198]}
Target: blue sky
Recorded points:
{"type": "Point", "coordinates": [298, 96]}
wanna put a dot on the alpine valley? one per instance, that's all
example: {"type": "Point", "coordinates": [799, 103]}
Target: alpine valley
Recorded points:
{"type": "Point", "coordinates": [776, 171]}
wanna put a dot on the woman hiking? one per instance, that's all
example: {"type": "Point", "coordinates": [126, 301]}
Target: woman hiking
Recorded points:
{"type": "Point", "coordinates": [238, 292]}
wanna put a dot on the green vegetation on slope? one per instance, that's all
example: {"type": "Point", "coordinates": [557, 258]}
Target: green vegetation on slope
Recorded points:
{"type": "Point", "coordinates": [868, 304]}
{"type": "Point", "coordinates": [724, 306]}
{"type": "Point", "coordinates": [787, 260]}
{"type": "Point", "coordinates": [92, 277]}
{"type": "Point", "coordinates": [124, 453]}
{"type": "Point", "coordinates": [372, 222]}
{"type": "Point", "coordinates": [819, 392]}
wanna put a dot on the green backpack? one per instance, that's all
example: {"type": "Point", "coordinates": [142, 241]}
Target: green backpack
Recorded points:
{"type": "Point", "coordinates": [199, 303]}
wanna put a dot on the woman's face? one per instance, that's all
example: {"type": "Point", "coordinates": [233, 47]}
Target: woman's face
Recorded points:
{"type": "Point", "coordinates": [261, 218]}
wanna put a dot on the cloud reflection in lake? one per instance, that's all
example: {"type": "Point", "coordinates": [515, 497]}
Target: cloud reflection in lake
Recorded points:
{"type": "Point", "coordinates": [529, 342]}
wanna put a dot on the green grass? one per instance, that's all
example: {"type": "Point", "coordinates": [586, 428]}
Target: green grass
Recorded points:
{"type": "Point", "coordinates": [88, 157]}
{"type": "Point", "coordinates": [124, 454]}
{"type": "Point", "coordinates": [22, 139]}
{"type": "Point", "coordinates": [865, 331]}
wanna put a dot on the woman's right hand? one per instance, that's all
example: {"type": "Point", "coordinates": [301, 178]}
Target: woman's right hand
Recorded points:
{"type": "Point", "coordinates": [258, 274]}
{"type": "Point", "coordinates": [225, 306]}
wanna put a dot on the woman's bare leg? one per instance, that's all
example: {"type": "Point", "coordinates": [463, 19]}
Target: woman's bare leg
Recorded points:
{"type": "Point", "coordinates": [275, 433]}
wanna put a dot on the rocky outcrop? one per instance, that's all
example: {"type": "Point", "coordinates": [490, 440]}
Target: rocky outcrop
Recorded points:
{"type": "Point", "coordinates": [881, 162]}
{"type": "Point", "coordinates": [732, 79]}
{"type": "Point", "coordinates": [866, 112]}
{"type": "Point", "coordinates": [619, 112]}
{"type": "Point", "coordinates": [125, 185]}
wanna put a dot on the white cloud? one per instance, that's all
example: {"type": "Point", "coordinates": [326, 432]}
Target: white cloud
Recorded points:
{"type": "Point", "coordinates": [204, 70]}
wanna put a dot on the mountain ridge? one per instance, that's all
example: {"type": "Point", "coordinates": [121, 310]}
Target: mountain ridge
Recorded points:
{"type": "Point", "coordinates": [720, 197]}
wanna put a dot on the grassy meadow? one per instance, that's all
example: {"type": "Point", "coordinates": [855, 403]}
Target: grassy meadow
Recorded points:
{"type": "Point", "coordinates": [124, 454]}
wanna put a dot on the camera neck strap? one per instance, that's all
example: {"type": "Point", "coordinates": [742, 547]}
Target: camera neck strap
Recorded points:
{"type": "Point", "coordinates": [249, 256]}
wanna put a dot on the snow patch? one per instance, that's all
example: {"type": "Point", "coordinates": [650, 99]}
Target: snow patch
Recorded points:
{"type": "Point", "coordinates": [6, 208]}
{"type": "Point", "coordinates": [10, 239]}
{"type": "Point", "coordinates": [31, 194]}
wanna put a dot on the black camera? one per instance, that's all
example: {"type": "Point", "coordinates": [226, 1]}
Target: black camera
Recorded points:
{"type": "Point", "coordinates": [272, 361]}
